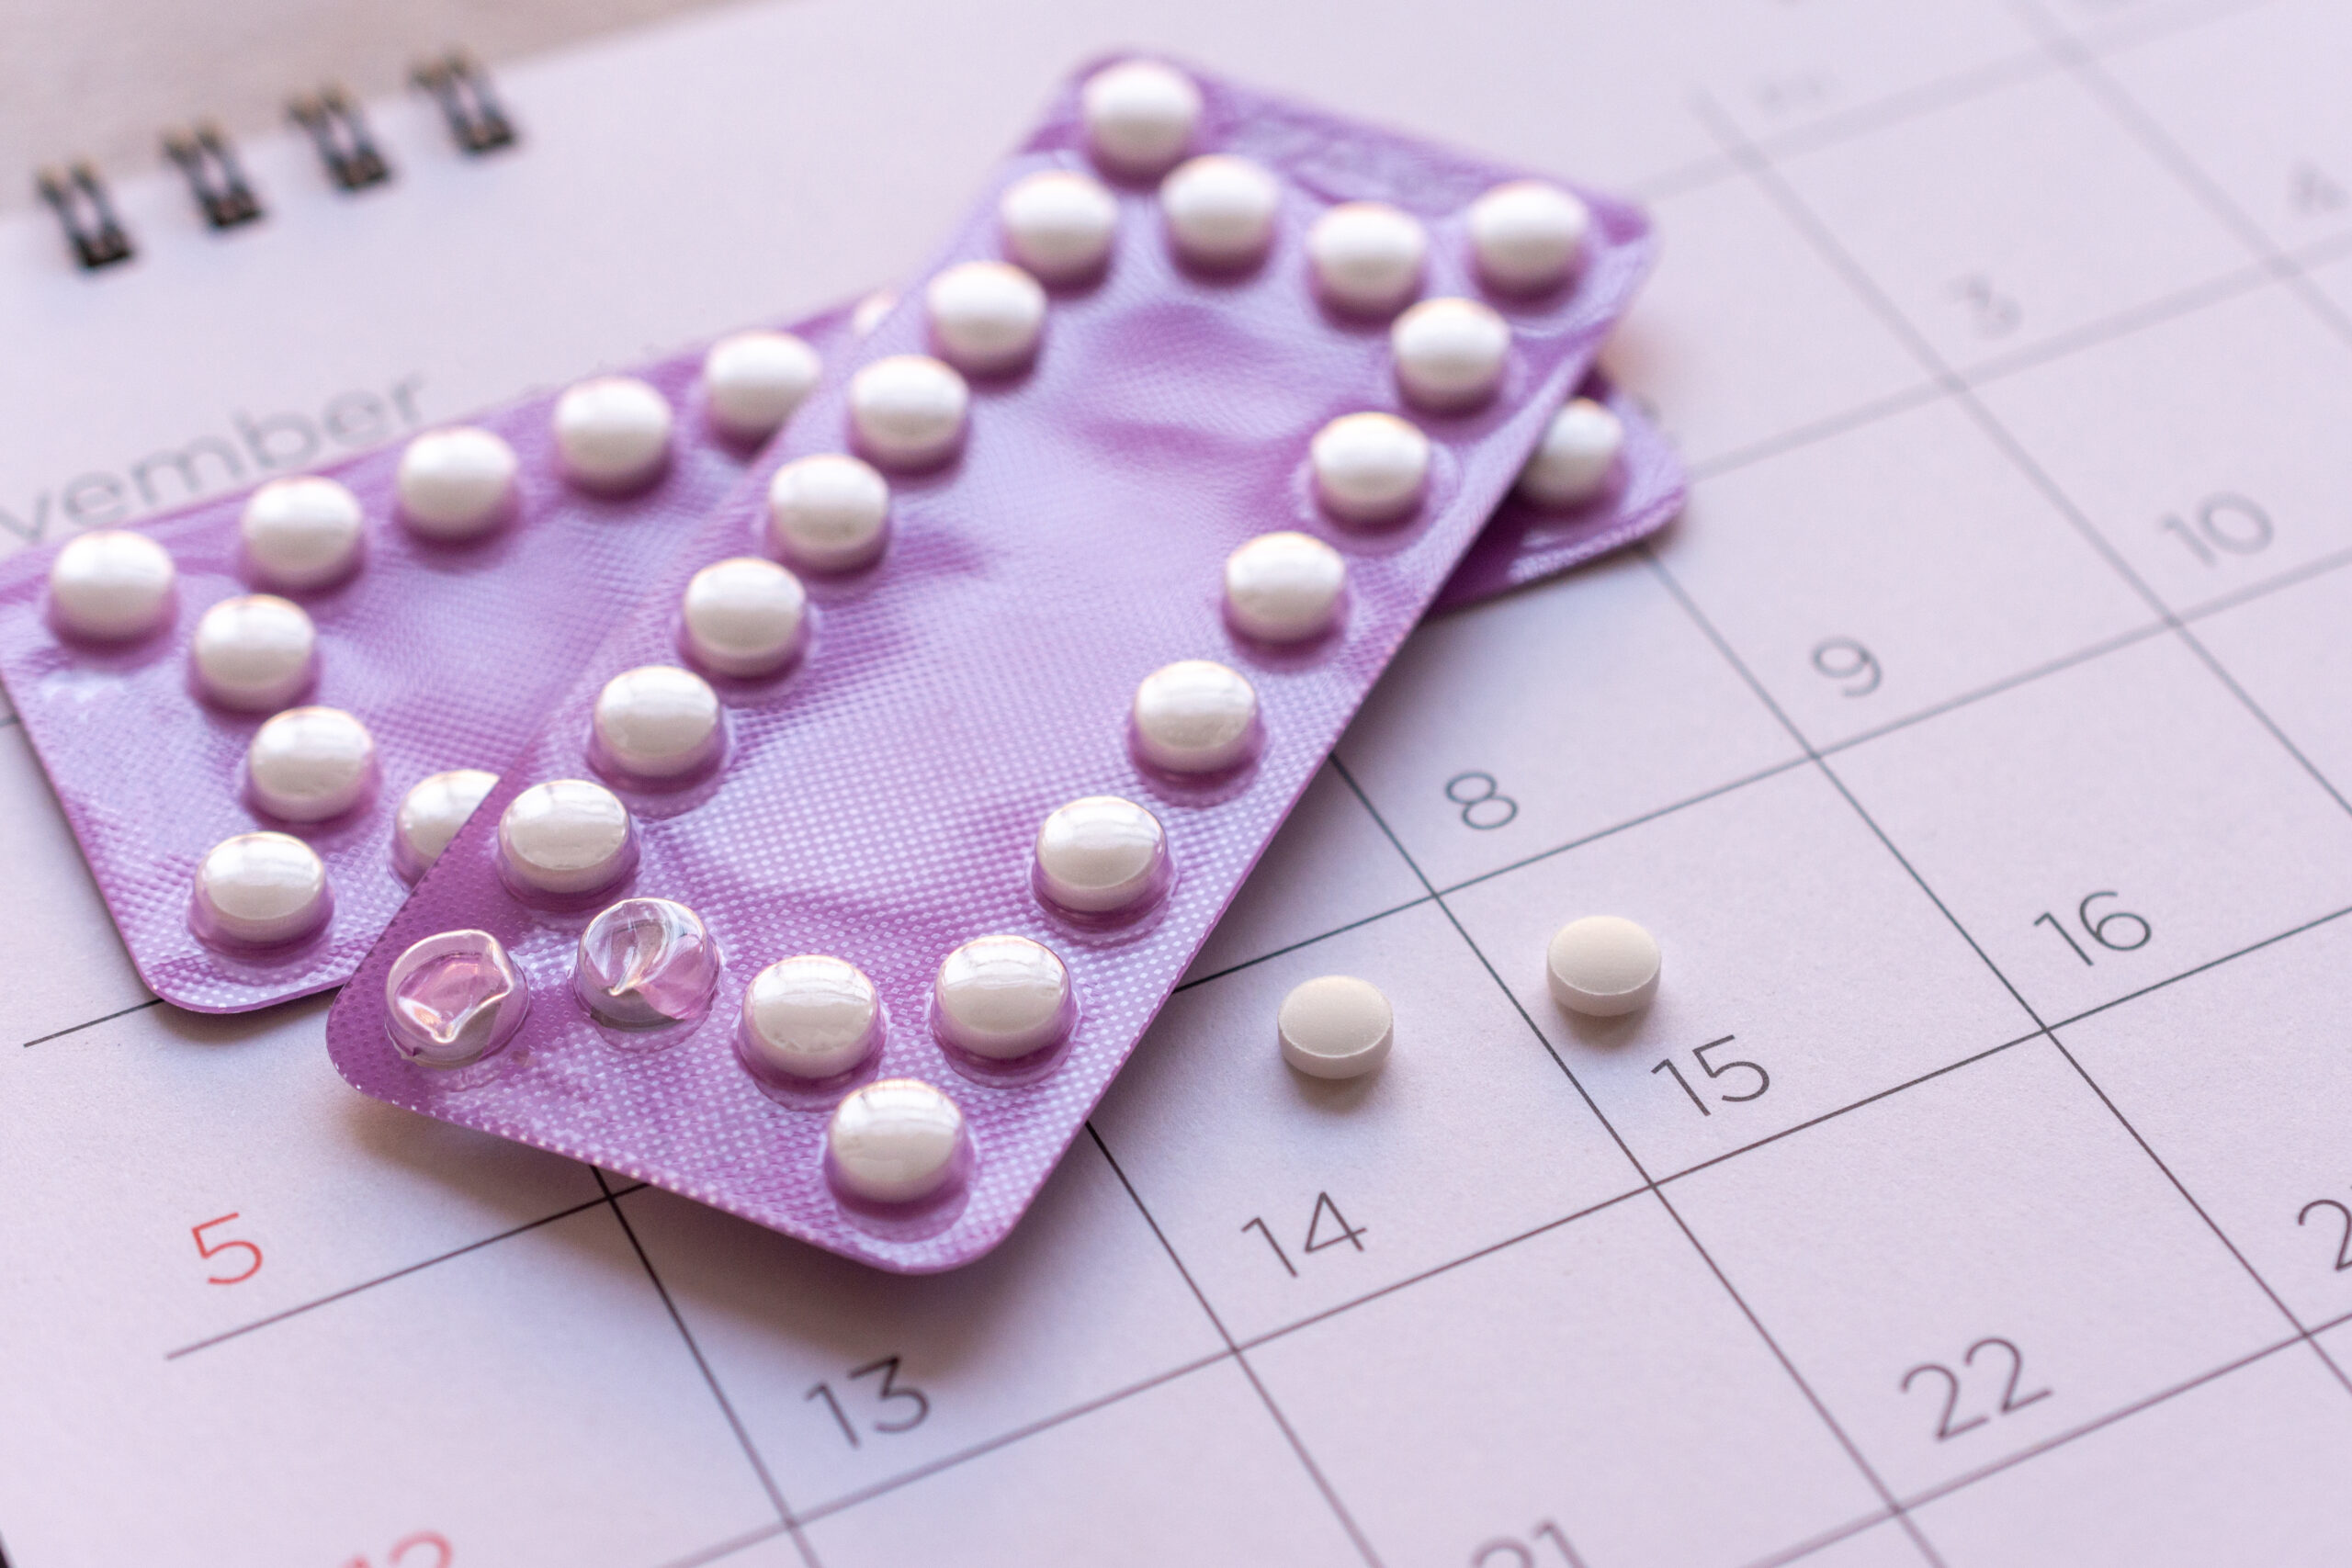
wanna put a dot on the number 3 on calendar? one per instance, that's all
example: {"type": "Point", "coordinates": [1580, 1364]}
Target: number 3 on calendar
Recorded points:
{"type": "Point", "coordinates": [425, 1549]}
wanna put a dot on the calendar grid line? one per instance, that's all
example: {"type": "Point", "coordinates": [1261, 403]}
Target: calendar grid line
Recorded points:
{"type": "Point", "coordinates": [93, 1023]}
{"type": "Point", "coordinates": [1288, 948]}
{"type": "Point", "coordinates": [2295, 577]}
{"type": "Point", "coordinates": [704, 1556]}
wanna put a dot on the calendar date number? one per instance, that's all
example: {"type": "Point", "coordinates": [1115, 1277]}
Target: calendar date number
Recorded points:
{"type": "Point", "coordinates": [1545, 1546]}
{"type": "Point", "coordinates": [1326, 1228]}
{"type": "Point", "coordinates": [425, 1549]}
{"type": "Point", "coordinates": [888, 1406]}
{"type": "Point", "coordinates": [233, 1261]}
{"type": "Point", "coordinates": [2220, 525]}
{"type": "Point", "coordinates": [1991, 1361]}
{"type": "Point", "coordinates": [1751, 1078]}
{"type": "Point", "coordinates": [2115, 931]}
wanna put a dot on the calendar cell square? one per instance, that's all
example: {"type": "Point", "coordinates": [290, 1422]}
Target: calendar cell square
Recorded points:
{"type": "Point", "coordinates": [2108, 826]}
{"type": "Point", "coordinates": [2287, 648]}
{"type": "Point", "coordinates": [1975, 1265]}
{"type": "Point", "coordinates": [1801, 970]}
{"type": "Point", "coordinates": [82, 971]}
{"type": "Point", "coordinates": [1314, 1191]}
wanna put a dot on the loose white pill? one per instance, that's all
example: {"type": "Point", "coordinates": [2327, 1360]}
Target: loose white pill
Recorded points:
{"type": "Point", "coordinates": [1527, 235]}
{"type": "Point", "coordinates": [810, 1017]}
{"type": "Point", "coordinates": [455, 484]}
{"type": "Point", "coordinates": [252, 653]}
{"type": "Point", "coordinates": [1284, 587]}
{"type": "Point", "coordinates": [1369, 468]}
{"type": "Point", "coordinates": [431, 813]}
{"type": "Point", "coordinates": [1367, 256]}
{"type": "Point", "coordinates": [827, 512]}
{"type": "Point", "coordinates": [309, 764]}
{"type": "Point", "coordinates": [565, 836]}
{"type": "Point", "coordinates": [1220, 210]}
{"type": "Point", "coordinates": [754, 380]}
{"type": "Point", "coordinates": [1603, 965]}
{"type": "Point", "coordinates": [744, 616]}
{"type": "Point", "coordinates": [453, 998]}
{"type": "Point", "coordinates": [985, 316]}
{"type": "Point", "coordinates": [612, 431]}
{"type": "Point", "coordinates": [261, 890]}
{"type": "Point", "coordinates": [894, 1142]}
{"type": "Point", "coordinates": [1001, 997]}
{"type": "Point", "coordinates": [907, 411]}
{"type": "Point", "coordinates": [1450, 353]}
{"type": "Point", "coordinates": [1058, 223]}
{"type": "Point", "coordinates": [1195, 716]}
{"type": "Point", "coordinates": [1139, 115]}
{"type": "Point", "coordinates": [1573, 460]}
{"type": "Point", "coordinates": [656, 721]}
{"type": "Point", "coordinates": [111, 586]}
{"type": "Point", "coordinates": [1100, 854]}
{"type": "Point", "coordinates": [869, 311]}
{"type": "Point", "coordinates": [301, 532]}
{"type": "Point", "coordinates": [1336, 1027]}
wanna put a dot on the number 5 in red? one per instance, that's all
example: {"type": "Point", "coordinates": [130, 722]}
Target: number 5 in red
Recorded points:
{"type": "Point", "coordinates": [216, 1248]}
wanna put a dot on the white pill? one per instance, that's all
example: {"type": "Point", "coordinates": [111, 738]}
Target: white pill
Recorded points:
{"type": "Point", "coordinates": [1284, 587]}
{"type": "Point", "coordinates": [309, 764]}
{"type": "Point", "coordinates": [261, 890]}
{"type": "Point", "coordinates": [810, 1017]}
{"type": "Point", "coordinates": [907, 411]}
{"type": "Point", "coordinates": [1220, 210]}
{"type": "Point", "coordinates": [657, 722]}
{"type": "Point", "coordinates": [894, 1142]}
{"type": "Point", "coordinates": [1060, 223]}
{"type": "Point", "coordinates": [455, 484]}
{"type": "Point", "coordinates": [1603, 965]}
{"type": "Point", "coordinates": [1450, 353]}
{"type": "Point", "coordinates": [301, 532]}
{"type": "Point", "coordinates": [431, 813]}
{"type": "Point", "coordinates": [1195, 716]}
{"type": "Point", "coordinates": [1367, 256]}
{"type": "Point", "coordinates": [744, 616]}
{"type": "Point", "coordinates": [252, 653]}
{"type": "Point", "coordinates": [1139, 115]}
{"type": "Point", "coordinates": [1001, 997]}
{"type": "Point", "coordinates": [1369, 468]}
{"type": "Point", "coordinates": [1336, 1027]}
{"type": "Point", "coordinates": [985, 316]}
{"type": "Point", "coordinates": [827, 512]}
{"type": "Point", "coordinates": [1573, 460]}
{"type": "Point", "coordinates": [453, 998]}
{"type": "Point", "coordinates": [111, 586]}
{"type": "Point", "coordinates": [754, 380]}
{"type": "Point", "coordinates": [1527, 235]}
{"type": "Point", "coordinates": [869, 311]}
{"type": "Point", "coordinates": [612, 431]}
{"type": "Point", "coordinates": [565, 836]}
{"type": "Point", "coordinates": [1100, 854]}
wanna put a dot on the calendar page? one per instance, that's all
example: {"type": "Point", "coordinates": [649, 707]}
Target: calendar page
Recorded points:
{"type": "Point", "coordinates": [1975, 1192]}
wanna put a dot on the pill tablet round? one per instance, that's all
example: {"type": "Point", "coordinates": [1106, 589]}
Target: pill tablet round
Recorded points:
{"type": "Point", "coordinates": [1527, 235]}
{"type": "Point", "coordinates": [1002, 998]}
{"type": "Point", "coordinates": [1195, 716]}
{"type": "Point", "coordinates": [1058, 223]}
{"type": "Point", "coordinates": [868, 312]}
{"type": "Point", "coordinates": [753, 381]}
{"type": "Point", "coordinates": [431, 813]}
{"type": "Point", "coordinates": [252, 653]}
{"type": "Point", "coordinates": [1284, 587]}
{"type": "Point", "coordinates": [1603, 965]}
{"type": "Point", "coordinates": [827, 512]}
{"type": "Point", "coordinates": [111, 586]}
{"type": "Point", "coordinates": [985, 316]}
{"type": "Point", "coordinates": [1220, 210]}
{"type": "Point", "coordinates": [1450, 354]}
{"type": "Point", "coordinates": [454, 998]}
{"type": "Point", "coordinates": [566, 836]}
{"type": "Point", "coordinates": [1335, 1027]}
{"type": "Point", "coordinates": [261, 890]}
{"type": "Point", "coordinates": [744, 616]}
{"type": "Point", "coordinates": [644, 963]}
{"type": "Point", "coordinates": [1101, 856]}
{"type": "Point", "coordinates": [1573, 460]}
{"type": "Point", "coordinates": [309, 764]}
{"type": "Point", "coordinates": [894, 1142]}
{"type": "Point", "coordinates": [455, 484]}
{"type": "Point", "coordinates": [907, 411]}
{"type": "Point", "coordinates": [301, 532]}
{"type": "Point", "coordinates": [1367, 256]}
{"type": "Point", "coordinates": [1369, 468]}
{"type": "Point", "coordinates": [612, 431]}
{"type": "Point", "coordinates": [809, 1018]}
{"type": "Point", "coordinates": [657, 722]}
{"type": "Point", "coordinates": [1139, 115]}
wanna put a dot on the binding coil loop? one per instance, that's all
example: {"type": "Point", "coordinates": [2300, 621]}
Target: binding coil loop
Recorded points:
{"type": "Point", "coordinates": [340, 133]}
{"type": "Point", "coordinates": [79, 198]}
{"type": "Point", "coordinates": [478, 123]}
{"type": "Point", "coordinates": [213, 176]}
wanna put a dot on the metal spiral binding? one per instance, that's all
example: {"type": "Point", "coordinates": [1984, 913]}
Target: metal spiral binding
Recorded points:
{"type": "Point", "coordinates": [340, 133]}
{"type": "Point", "coordinates": [213, 176]}
{"type": "Point", "coordinates": [79, 199]}
{"type": "Point", "coordinates": [476, 119]}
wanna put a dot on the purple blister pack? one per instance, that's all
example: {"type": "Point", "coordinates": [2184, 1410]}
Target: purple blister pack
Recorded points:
{"type": "Point", "coordinates": [835, 897]}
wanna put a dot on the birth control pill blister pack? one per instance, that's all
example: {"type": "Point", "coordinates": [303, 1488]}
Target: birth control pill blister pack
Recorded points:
{"type": "Point", "coordinates": [265, 715]}
{"type": "Point", "coordinates": [840, 885]}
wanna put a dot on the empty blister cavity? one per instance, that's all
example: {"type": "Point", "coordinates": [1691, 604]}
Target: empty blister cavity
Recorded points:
{"type": "Point", "coordinates": [260, 890]}
{"type": "Point", "coordinates": [1195, 716]}
{"type": "Point", "coordinates": [1369, 468]}
{"type": "Point", "coordinates": [111, 586]}
{"type": "Point", "coordinates": [808, 1020]}
{"type": "Point", "coordinates": [455, 484]}
{"type": "Point", "coordinates": [898, 1141]}
{"type": "Point", "coordinates": [986, 317]}
{"type": "Point", "coordinates": [253, 653]}
{"type": "Point", "coordinates": [1573, 462]}
{"type": "Point", "coordinates": [1604, 965]}
{"type": "Point", "coordinates": [565, 838]}
{"type": "Point", "coordinates": [1526, 235]}
{"type": "Point", "coordinates": [1102, 856]}
{"type": "Point", "coordinates": [1220, 211]}
{"type": "Point", "coordinates": [1139, 115]}
{"type": "Point", "coordinates": [1002, 998]}
{"type": "Point", "coordinates": [752, 381]}
{"type": "Point", "coordinates": [1367, 256]}
{"type": "Point", "coordinates": [453, 998]}
{"type": "Point", "coordinates": [828, 511]}
{"type": "Point", "coordinates": [645, 964]}
{"type": "Point", "coordinates": [310, 764]}
{"type": "Point", "coordinates": [430, 814]}
{"type": "Point", "coordinates": [657, 723]}
{"type": "Point", "coordinates": [906, 412]}
{"type": "Point", "coordinates": [1060, 224]}
{"type": "Point", "coordinates": [1450, 354]}
{"type": "Point", "coordinates": [302, 533]}
{"type": "Point", "coordinates": [744, 616]}
{"type": "Point", "coordinates": [612, 433]}
{"type": "Point", "coordinates": [1284, 587]}
{"type": "Point", "coordinates": [1335, 1026]}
